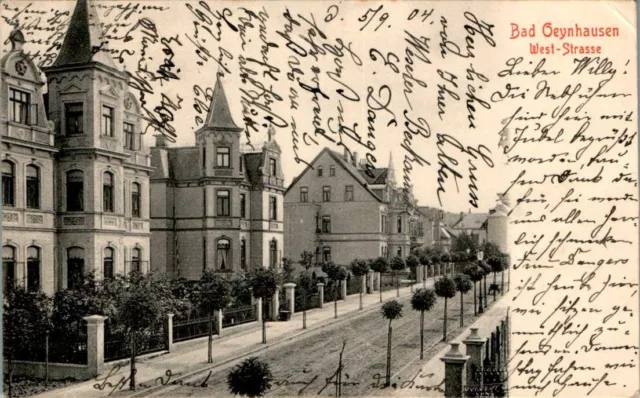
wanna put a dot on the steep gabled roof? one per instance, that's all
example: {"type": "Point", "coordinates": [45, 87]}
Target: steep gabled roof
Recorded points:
{"type": "Point", "coordinates": [379, 176]}
{"type": "Point", "coordinates": [252, 163]}
{"type": "Point", "coordinates": [350, 168]}
{"type": "Point", "coordinates": [219, 116]}
{"type": "Point", "coordinates": [83, 42]}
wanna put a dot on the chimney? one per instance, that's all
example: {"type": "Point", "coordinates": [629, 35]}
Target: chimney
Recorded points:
{"type": "Point", "coordinates": [355, 158]}
{"type": "Point", "coordinates": [346, 154]}
{"type": "Point", "coordinates": [160, 141]}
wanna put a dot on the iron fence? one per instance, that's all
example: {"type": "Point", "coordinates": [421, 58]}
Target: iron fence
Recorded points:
{"type": "Point", "coordinates": [239, 315]}
{"type": "Point", "coordinates": [354, 284]}
{"type": "Point", "coordinates": [64, 346]}
{"type": "Point", "coordinates": [117, 343]}
{"type": "Point", "coordinates": [194, 328]}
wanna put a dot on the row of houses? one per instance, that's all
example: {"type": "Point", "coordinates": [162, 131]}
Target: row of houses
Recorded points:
{"type": "Point", "coordinates": [81, 192]}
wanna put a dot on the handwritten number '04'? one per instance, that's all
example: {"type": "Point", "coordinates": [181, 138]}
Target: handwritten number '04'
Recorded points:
{"type": "Point", "coordinates": [363, 18]}
{"type": "Point", "coordinates": [387, 61]}
{"type": "Point", "coordinates": [425, 14]}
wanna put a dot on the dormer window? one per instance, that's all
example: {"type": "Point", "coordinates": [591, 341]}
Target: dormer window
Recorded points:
{"type": "Point", "coordinates": [107, 121]}
{"type": "Point", "coordinates": [19, 105]}
{"type": "Point", "coordinates": [272, 167]}
{"type": "Point", "coordinates": [222, 156]}
{"type": "Point", "coordinates": [73, 114]}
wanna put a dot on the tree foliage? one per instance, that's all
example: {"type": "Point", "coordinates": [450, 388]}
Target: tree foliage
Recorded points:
{"type": "Point", "coordinates": [423, 299]}
{"type": "Point", "coordinates": [251, 378]}
{"type": "Point", "coordinates": [306, 259]}
{"type": "Point", "coordinates": [412, 261]}
{"type": "Point", "coordinates": [334, 272]}
{"type": "Point", "coordinates": [463, 283]}
{"type": "Point", "coordinates": [463, 242]}
{"type": "Point", "coordinates": [497, 263]}
{"type": "Point", "coordinates": [445, 287]}
{"type": "Point", "coordinates": [391, 310]}
{"type": "Point", "coordinates": [288, 269]}
{"type": "Point", "coordinates": [397, 263]}
{"type": "Point", "coordinates": [474, 273]}
{"type": "Point", "coordinates": [214, 293]}
{"type": "Point", "coordinates": [445, 257]}
{"type": "Point", "coordinates": [264, 283]}
{"type": "Point", "coordinates": [380, 264]}
{"type": "Point", "coordinates": [359, 267]}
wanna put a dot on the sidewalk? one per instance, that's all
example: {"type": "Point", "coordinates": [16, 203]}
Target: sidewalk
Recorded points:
{"type": "Point", "coordinates": [191, 357]}
{"type": "Point", "coordinates": [485, 324]}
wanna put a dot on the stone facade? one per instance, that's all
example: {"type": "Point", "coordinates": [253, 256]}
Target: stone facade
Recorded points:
{"type": "Point", "coordinates": [75, 197]}
{"type": "Point", "coordinates": [339, 212]}
{"type": "Point", "coordinates": [214, 205]}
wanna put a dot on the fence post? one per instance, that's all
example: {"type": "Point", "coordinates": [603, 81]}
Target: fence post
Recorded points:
{"type": "Point", "coordinates": [363, 288]}
{"type": "Point", "coordinates": [258, 303]}
{"type": "Point", "coordinates": [321, 294]}
{"type": "Point", "coordinates": [474, 344]}
{"type": "Point", "coordinates": [275, 301]}
{"type": "Point", "coordinates": [95, 343]}
{"type": "Point", "coordinates": [343, 289]}
{"type": "Point", "coordinates": [371, 288]}
{"type": "Point", "coordinates": [378, 282]}
{"type": "Point", "coordinates": [290, 290]}
{"type": "Point", "coordinates": [218, 320]}
{"type": "Point", "coordinates": [454, 362]}
{"type": "Point", "coordinates": [169, 332]}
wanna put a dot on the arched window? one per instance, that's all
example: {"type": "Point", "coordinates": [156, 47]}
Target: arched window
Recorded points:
{"type": "Point", "coordinates": [222, 254]}
{"type": "Point", "coordinates": [8, 184]}
{"type": "Point", "coordinates": [33, 187]}
{"type": "Point", "coordinates": [9, 267]}
{"type": "Point", "coordinates": [33, 268]}
{"type": "Point", "coordinates": [399, 224]}
{"type": "Point", "coordinates": [135, 260]}
{"type": "Point", "coordinates": [108, 263]}
{"type": "Point", "coordinates": [75, 267]}
{"type": "Point", "coordinates": [135, 200]}
{"type": "Point", "coordinates": [107, 192]}
{"type": "Point", "coordinates": [273, 253]}
{"type": "Point", "coordinates": [75, 191]}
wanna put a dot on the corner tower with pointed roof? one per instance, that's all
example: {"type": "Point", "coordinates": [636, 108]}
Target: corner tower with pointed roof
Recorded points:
{"type": "Point", "coordinates": [102, 168]}
{"type": "Point", "coordinates": [234, 214]}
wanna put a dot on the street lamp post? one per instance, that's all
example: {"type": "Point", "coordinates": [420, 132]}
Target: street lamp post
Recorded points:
{"type": "Point", "coordinates": [480, 256]}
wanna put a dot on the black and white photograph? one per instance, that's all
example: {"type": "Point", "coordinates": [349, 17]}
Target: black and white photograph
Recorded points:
{"type": "Point", "coordinates": [319, 198]}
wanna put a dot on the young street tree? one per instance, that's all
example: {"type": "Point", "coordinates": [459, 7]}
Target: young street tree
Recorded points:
{"type": "Point", "coordinates": [423, 300]}
{"type": "Point", "coordinates": [391, 310]}
{"type": "Point", "coordinates": [445, 258]}
{"type": "Point", "coordinates": [435, 261]}
{"type": "Point", "coordinates": [497, 264]}
{"type": "Point", "coordinates": [445, 287]}
{"type": "Point", "coordinates": [380, 265]}
{"type": "Point", "coordinates": [264, 284]}
{"type": "Point", "coordinates": [360, 268]}
{"type": "Point", "coordinates": [475, 275]}
{"type": "Point", "coordinates": [397, 264]}
{"type": "Point", "coordinates": [214, 295]}
{"type": "Point", "coordinates": [425, 261]}
{"type": "Point", "coordinates": [413, 263]}
{"type": "Point", "coordinates": [142, 309]}
{"type": "Point", "coordinates": [337, 274]}
{"type": "Point", "coordinates": [251, 378]}
{"type": "Point", "coordinates": [463, 285]}
{"type": "Point", "coordinates": [306, 260]}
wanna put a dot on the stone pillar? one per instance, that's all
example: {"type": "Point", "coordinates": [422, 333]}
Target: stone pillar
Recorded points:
{"type": "Point", "coordinates": [217, 315]}
{"type": "Point", "coordinates": [258, 305]}
{"type": "Point", "coordinates": [275, 304]}
{"type": "Point", "coordinates": [475, 349]}
{"type": "Point", "coordinates": [95, 343]}
{"type": "Point", "coordinates": [343, 289]}
{"type": "Point", "coordinates": [378, 278]}
{"type": "Point", "coordinates": [290, 290]}
{"type": "Point", "coordinates": [169, 333]}
{"type": "Point", "coordinates": [419, 269]}
{"type": "Point", "coordinates": [371, 288]}
{"type": "Point", "coordinates": [454, 362]}
{"type": "Point", "coordinates": [321, 294]}
{"type": "Point", "coordinates": [363, 288]}
{"type": "Point", "coordinates": [439, 270]}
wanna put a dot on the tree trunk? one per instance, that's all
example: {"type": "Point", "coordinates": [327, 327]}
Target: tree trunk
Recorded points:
{"type": "Point", "coordinates": [361, 299]}
{"type": "Point", "coordinates": [495, 285]}
{"type": "Point", "coordinates": [264, 321]}
{"type": "Point", "coordinates": [335, 301]}
{"type": "Point", "coordinates": [10, 376]}
{"type": "Point", "coordinates": [46, 358]}
{"type": "Point", "coordinates": [475, 303]}
{"type": "Point", "coordinates": [424, 277]}
{"type": "Point", "coordinates": [502, 282]}
{"type": "Point", "coordinates": [132, 375]}
{"type": "Point", "coordinates": [397, 285]}
{"type": "Point", "coordinates": [461, 309]}
{"type": "Point", "coordinates": [210, 343]}
{"type": "Point", "coordinates": [304, 311]}
{"type": "Point", "coordinates": [421, 335]}
{"type": "Point", "coordinates": [444, 328]}
{"type": "Point", "coordinates": [388, 378]}
{"type": "Point", "coordinates": [380, 286]}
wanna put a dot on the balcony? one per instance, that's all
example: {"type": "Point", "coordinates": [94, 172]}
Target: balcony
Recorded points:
{"type": "Point", "coordinates": [28, 133]}
{"type": "Point", "coordinates": [138, 158]}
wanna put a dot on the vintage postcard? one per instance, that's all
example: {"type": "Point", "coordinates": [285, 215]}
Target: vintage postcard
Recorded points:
{"type": "Point", "coordinates": [319, 198]}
